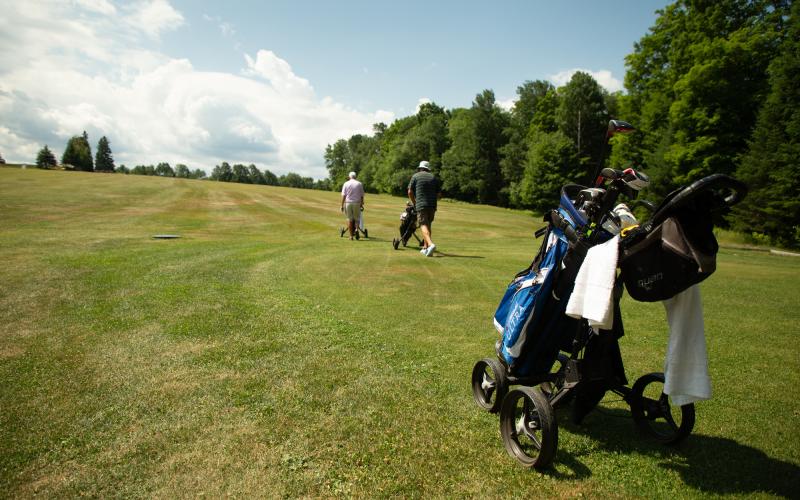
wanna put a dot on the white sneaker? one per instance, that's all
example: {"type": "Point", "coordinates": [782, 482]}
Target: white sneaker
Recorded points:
{"type": "Point", "coordinates": [430, 250]}
{"type": "Point", "coordinates": [423, 250]}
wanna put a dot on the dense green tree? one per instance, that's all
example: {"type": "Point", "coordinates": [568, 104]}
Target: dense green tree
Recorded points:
{"type": "Point", "coordinates": [471, 166]}
{"type": "Point", "coordinates": [270, 179]}
{"type": "Point", "coordinates": [164, 170]}
{"type": "Point", "coordinates": [104, 160]}
{"type": "Point", "coordinates": [255, 175]}
{"type": "Point", "coordinates": [530, 98]}
{"type": "Point", "coordinates": [582, 116]}
{"type": "Point", "coordinates": [296, 181]}
{"type": "Point", "coordinates": [771, 168]}
{"type": "Point", "coordinates": [122, 169]}
{"type": "Point", "coordinates": [240, 174]}
{"type": "Point", "coordinates": [2, 160]}
{"type": "Point", "coordinates": [337, 161]}
{"type": "Point", "coordinates": [45, 158]}
{"type": "Point", "coordinates": [552, 162]}
{"type": "Point", "coordinates": [182, 171]}
{"type": "Point", "coordinates": [143, 170]}
{"type": "Point", "coordinates": [222, 173]}
{"type": "Point", "coordinates": [198, 174]}
{"type": "Point", "coordinates": [695, 84]}
{"type": "Point", "coordinates": [78, 153]}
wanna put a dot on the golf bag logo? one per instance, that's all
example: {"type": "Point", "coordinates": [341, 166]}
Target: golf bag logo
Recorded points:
{"type": "Point", "coordinates": [648, 282]}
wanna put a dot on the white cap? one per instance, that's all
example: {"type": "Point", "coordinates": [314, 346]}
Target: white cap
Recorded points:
{"type": "Point", "coordinates": [424, 165]}
{"type": "Point", "coordinates": [352, 175]}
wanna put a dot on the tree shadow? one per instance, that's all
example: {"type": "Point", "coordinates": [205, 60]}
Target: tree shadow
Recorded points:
{"type": "Point", "coordinates": [710, 464]}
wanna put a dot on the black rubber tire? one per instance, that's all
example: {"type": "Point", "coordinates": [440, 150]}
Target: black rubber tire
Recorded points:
{"type": "Point", "coordinates": [395, 243]}
{"type": "Point", "coordinates": [366, 234]}
{"type": "Point", "coordinates": [405, 243]}
{"type": "Point", "coordinates": [489, 384]}
{"type": "Point", "coordinates": [342, 231]}
{"type": "Point", "coordinates": [357, 236]}
{"type": "Point", "coordinates": [654, 414]}
{"type": "Point", "coordinates": [528, 427]}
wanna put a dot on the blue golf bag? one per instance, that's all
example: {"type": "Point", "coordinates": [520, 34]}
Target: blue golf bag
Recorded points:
{"type": "Point", "coordinates": [530, 317]}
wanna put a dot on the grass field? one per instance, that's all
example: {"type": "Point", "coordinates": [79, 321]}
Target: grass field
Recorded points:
{"type": "Point", "coordinates": [262, 355]}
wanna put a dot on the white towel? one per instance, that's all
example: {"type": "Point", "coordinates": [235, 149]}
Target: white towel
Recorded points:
{"type": "Point", "coordinates": [592, 297]}
{"type": "Point", "coordinates": [686, 367]}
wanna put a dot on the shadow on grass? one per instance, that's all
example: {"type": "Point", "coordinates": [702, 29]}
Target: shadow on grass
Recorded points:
{"type": "Point", "coordinates": [443, 254]}
{"type": "Point", "coordinates": [710, 464]}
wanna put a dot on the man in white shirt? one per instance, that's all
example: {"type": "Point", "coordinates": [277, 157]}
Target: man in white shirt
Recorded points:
{"type": "Point", "coordinates": [352, 202]}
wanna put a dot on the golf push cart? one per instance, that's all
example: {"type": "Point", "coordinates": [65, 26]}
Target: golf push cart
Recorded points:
{"type": "Point", "coordinates": [551, 359]}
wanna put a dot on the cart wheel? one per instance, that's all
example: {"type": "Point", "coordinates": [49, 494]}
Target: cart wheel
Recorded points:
{"type": "Point", "coordinates": [654, 414]}
{"type": "Point", "coordinates": [357, 236]}
{"type": "Point", "coordinates": [341, 232]}
{"type": "Point", "coordinates": [395, 243]}
{"type": "Point", "coordinates": [366, 234]}
{"type": "Point", "coordinates": [489, 384]}
{"type": "Point", "coordinates": [529, 427]}
{"type": "Point", "coordinates": [405, 242]}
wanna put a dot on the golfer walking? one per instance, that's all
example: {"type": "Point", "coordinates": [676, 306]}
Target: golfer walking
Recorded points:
{"type": "Point", "coordinates": [352, 201]}
{"type": "Point", "coordinates": [424, 191]}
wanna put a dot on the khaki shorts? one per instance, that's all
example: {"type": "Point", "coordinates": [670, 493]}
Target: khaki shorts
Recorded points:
{"type": "Point", "coordinates": [351, 211]}
{"type": "Point", "coordinates": [425, 216]}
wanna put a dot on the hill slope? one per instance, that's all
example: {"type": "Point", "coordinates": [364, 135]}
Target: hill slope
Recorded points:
{"type": "Point", "coordinates": [262, 354]}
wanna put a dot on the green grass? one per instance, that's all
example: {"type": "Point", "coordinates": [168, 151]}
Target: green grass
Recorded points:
{"type": "Point", "coordinates": [262, 355]}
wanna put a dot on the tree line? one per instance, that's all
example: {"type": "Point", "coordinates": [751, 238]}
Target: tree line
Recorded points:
{"type": "Point", "coordinates": [78, 156]}
{"type": "Point", "coordinates": [712, 88]}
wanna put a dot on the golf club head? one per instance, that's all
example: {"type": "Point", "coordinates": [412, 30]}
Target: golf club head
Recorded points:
{"type": "Point", "coordinates": [619, 127]}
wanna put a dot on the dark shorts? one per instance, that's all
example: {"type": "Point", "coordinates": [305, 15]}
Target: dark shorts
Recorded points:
{"type": "Point", "coordinates": [425, 216]}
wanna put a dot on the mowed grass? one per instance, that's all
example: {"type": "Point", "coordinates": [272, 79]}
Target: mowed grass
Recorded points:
{"type": "Point", "coordinates": [262, 355]}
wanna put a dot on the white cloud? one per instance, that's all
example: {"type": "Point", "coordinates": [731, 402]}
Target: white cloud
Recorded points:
{"type": "Point", "coordinates": [507, 104]}
{"type": "Point", "coordinates": [99, 6]}
{"type": "Point", "coordinates": [603, 77]}
{"type": "Point", "coordinates": [151, 107]}
{"type": "Point", "coordinates": [154, 16]}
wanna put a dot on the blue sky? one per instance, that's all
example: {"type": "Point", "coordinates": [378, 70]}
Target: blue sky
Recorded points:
{"type": "Point", "coordinates": [271, 83]}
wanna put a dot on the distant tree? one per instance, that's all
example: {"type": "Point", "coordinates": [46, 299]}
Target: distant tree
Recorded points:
{"type": "Point", "coordinates": [296, 181]}
{"type": "Point", "coordinates": [78, 153]}
{"type": "Point", "coordinates": [337, 161]}
{"type": "Point", "coordinates": [256, 177]}
{"type": "Point", "coordinates": [2, 160]}
{"type": "Point", "coordinates": [551, 163]}
{"type": "Point", "coordinates": [530, 96]}
{"type": "Point", "coordinates": [164, 170]}
{"type": "Point", "coordinates": [104, 161]}
{"type": "Point", "coordinates": [182, 171]}
{"type": "Point", "coordinates": [582, 116]}
{"type": "Point", "coordinates": [270, 179]}
{"type": "Point", "coordinates": [122, 169]}
{"type": "Point", "coordinates": [45, 158]}
{"type": "Point", "coordinates": [471, 166]}
{"type": "Point", "coordinates": [198, 174]}
{"type": "Point", "coordinates": [222, 173]}
{"type": "Point", "coordinates": [323, 184]}
{"type": "Point", "coordinates": [240, 174]}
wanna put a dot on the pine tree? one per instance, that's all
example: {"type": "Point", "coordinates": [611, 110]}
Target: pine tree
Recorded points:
{"type": "Point", "coordinates": [104, 160]}
{"type": "Point", "coordinates": [45, 158]}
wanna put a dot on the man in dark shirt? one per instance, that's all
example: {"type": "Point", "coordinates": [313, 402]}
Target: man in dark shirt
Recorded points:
{"type": "Point", "coordinates": [424, 191]}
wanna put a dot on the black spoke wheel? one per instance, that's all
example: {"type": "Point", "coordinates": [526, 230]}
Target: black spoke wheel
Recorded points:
{"type": "Point", "coordinates": [655, 415]}
{"type": "Point", "coordinates": [489, 384]}
{"type": "Point", "coordinates": [366, 234]}
{"type": "Point", "coordinates": [529, 427]}
{"type": "Point", "coordinates": [395, 243]}
{"type": "Point", "coordinates": [341, 232]}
